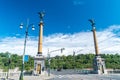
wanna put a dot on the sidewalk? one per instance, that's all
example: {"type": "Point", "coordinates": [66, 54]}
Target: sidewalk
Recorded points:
{"type": "Point", "coordinates": [41, 77]}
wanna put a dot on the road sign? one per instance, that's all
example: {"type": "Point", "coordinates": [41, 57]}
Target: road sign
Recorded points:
{"type": "Point", "coordinates": [26, 57]}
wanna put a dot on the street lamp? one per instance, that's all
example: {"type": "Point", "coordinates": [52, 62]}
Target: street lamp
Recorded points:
{"type": "Point", "coordinates": [26, 35]}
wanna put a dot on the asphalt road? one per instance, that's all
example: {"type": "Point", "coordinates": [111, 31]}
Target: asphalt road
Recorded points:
{"type": "Point", "coordinates": [73, 75]}
{"type": "Point", "coordinates": [69, 75]}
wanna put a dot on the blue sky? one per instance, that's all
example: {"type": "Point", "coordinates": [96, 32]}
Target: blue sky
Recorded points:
{"type": "Point", "coordinates": [62, 17]}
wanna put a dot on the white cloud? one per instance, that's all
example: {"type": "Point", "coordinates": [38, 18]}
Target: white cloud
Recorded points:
{"type": "Point", "coordinates": [108, 42]}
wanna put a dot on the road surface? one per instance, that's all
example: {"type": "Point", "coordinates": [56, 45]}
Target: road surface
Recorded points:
{"type": "Point", "coordinates": [73, 75]}
{"type": "Point", "coordinates": [69, 75]}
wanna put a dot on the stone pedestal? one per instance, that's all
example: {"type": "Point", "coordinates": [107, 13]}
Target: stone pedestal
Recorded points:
{"type": "Point", "coordinates": [39, 65]}
{"type": "Point", "coordinates": [99, 65]}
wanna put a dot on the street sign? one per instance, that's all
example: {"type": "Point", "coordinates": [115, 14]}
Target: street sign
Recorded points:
{"type": "Point", "coordinates": [26, 57]}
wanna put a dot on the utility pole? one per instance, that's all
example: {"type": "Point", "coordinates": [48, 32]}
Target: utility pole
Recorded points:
{"type": "Point", "coordinates": [48, 63]}
{"type": "Point", "coordinates": [74, 58]}
{"type": "Point", "coordinates": [50, 58]}
{"type": "Point", "coordinates": [74, 53]}
{"type": "Point", "coordinates": [9, 61]}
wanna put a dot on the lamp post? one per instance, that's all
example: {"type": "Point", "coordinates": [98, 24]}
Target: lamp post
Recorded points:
{"type": "Point", "coordinates": [26, 35]}
{"type": "Point", "coordinates": [50, 59]}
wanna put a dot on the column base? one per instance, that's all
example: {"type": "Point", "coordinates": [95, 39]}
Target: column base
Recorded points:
{"type": "Point", "coordinates": [39, 65]}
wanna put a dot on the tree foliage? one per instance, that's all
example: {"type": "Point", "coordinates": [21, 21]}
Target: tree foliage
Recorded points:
{"type": "Point", "coordinates": [14, 61]}
{"type": "Point", "coordinates": [79, 61]}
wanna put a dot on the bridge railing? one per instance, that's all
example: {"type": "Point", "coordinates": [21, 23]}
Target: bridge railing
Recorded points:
{"type": "Point", "coordinates": [114, 71]}
{"type": "Point", "coordinates": [10, 74]}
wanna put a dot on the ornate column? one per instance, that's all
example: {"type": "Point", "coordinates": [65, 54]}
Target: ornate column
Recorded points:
{"type": "Point", "coordinates": [98, 63]}
{"type": "Point", "coordinates": [39, 60]}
